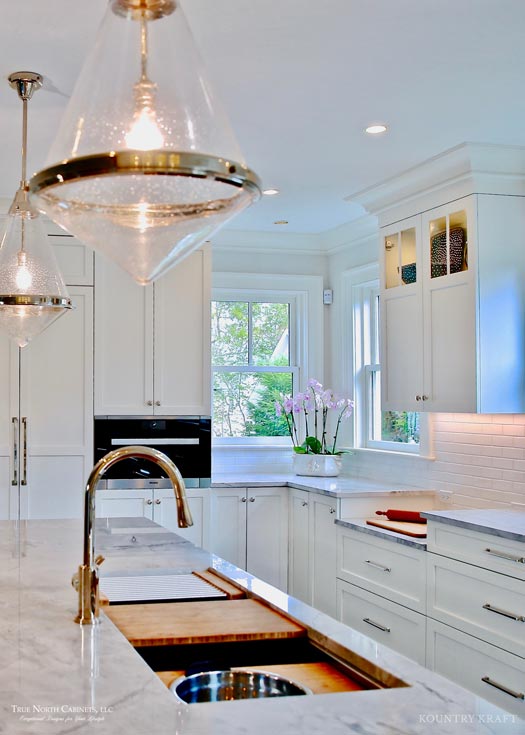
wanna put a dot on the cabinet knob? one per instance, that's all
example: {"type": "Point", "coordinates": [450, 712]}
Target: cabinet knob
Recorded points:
{"type": "Point", "coordinates": [243, 500]}
{"type": "Point", "coordinates": [252, 500]}
{"type": "Point", "coordinates": [424, 398]}
{"type": "Point", "coordinates": [149, 502]}
{"type": "Point", "coordinates": [157, 502]}
{"type": "Point", "coordinates": [418, 398]}
{"type": "Point", "coordinates": [304, 503]}
{"type": "Point", "coordinates": [157, 403]}
{"type": "Point", "coordinates": [149, 403]}
{"type": "Point", "coordinates": [332, 510]}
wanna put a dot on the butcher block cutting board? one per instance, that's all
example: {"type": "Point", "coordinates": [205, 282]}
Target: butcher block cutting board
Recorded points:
{"type": "Point", "coordinates": [166, 624]}
{"type": "Point", "coordinates": [416, 530]}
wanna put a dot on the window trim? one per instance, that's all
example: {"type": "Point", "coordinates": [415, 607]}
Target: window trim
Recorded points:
{"type": "Point", "coordinates": [304, 294]}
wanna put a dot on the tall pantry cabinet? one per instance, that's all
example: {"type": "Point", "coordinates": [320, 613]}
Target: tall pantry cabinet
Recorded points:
{"type": "Point", "coordinates": [46, 399]}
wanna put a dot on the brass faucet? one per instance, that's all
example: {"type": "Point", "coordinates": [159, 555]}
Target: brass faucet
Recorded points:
{"type": "Point", "coordinates": [86, 579]}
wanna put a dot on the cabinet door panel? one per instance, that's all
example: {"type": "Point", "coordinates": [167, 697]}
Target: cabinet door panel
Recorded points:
{"type": "Point", "coordinates": [182, 338]}
{"type": "Point", "coordinates": [299, 582]}
{"type": "Point", "coordinates": [55, 487]}
{"type": "Point", "coordinates": [228, 524]}
{"type": "Point", "coordinates": [9, 382]}
{"type": "Point", "coordinates": [323, 554]}
{"type": "Point", "coordinates": [124, 504]}
{"type": "Point", "coordinates": [165, 514]}
{"type": "Point", "coordinates": [267, 535]}
{"type": "Point", "coordinates": [123, 343]}
{"type": "Point", "coordinates": [401, 351]}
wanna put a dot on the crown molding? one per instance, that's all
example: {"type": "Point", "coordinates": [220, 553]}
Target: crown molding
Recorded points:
{"type": "Point", "coordinates": [265, 242]}
{"type": "Point", "coordinates": [469, 168]}
{"type": "Point", "coordinates": [353, 234]}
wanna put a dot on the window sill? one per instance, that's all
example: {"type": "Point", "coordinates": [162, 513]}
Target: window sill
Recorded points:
{"type": "Point", "coordinates": [251, 447]}
{"type": "Point", "coordinates": [393, 453]}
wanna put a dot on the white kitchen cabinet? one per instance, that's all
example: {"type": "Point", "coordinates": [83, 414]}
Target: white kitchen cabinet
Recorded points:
{"type": "Point", "coordinates": [152, 344]}
{"type": "Point", "coordinates": [46, 437]}
{"type": "Point", "coordinates": [250, 529]}
{"type": "Point", "coordinates": [452, 299]}
{"type": "Point", "coordinates": [312, 549]}
{"type": "Point", "coordinates": [159, 505]}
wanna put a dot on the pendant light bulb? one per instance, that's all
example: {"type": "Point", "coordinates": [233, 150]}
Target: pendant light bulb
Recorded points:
{"type": "Point", "coordinates": [32, 292]}
{"type": "Point", "coordinates": [145, 166]}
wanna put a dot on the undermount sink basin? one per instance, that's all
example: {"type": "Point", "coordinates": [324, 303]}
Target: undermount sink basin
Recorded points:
{"type": "Point", "coordinates": [221, 686]}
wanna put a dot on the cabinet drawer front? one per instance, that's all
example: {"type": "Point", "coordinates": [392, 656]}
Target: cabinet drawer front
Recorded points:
{"type": "Point", "coordinates": [485, 670]}
{"type": "Point", "coordinates": [384, 567]}
{"type": "Point", "coordinates": [386, 622]}
{"type": "Point", "coordinates": [487, 605]}
{"type": "Point", "coordinates": [485, 550]}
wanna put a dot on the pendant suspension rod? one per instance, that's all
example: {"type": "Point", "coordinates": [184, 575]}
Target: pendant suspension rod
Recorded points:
{"type": "Point", "coordinates": [24, 182]}
{"type": "Point", "coordinates": [143, 50]}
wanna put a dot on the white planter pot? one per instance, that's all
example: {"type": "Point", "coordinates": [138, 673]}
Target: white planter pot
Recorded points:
{"type": "Point", "coordinates": [317, 465]}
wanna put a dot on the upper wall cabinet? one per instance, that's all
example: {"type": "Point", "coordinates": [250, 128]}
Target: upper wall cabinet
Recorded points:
{"type": "Point", "coordinates": [453, 283]}
{"type": "Point", "coordinates": [152, 344]}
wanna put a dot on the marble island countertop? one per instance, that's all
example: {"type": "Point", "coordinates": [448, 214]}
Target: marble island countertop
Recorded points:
{"type": "Point", "coordinates": [59, 677]}
{"type": "Point", "coordinates": [503, 523]}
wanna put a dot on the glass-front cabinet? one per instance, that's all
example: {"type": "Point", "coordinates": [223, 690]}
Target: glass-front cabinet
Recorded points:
{"type": "Point", "coordinates": [428, 347]}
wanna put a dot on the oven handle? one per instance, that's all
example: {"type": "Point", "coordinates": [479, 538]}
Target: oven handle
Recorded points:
{"type": "Point", "coordinates": [153, 442]}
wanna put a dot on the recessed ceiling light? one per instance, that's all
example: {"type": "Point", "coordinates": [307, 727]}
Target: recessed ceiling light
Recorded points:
{"type": "Point", "coordinates": [281, 222]}
{"type": "Point", "coordinates": [375, 129]}
{"type": "Point", "coordinates": [270, 192]}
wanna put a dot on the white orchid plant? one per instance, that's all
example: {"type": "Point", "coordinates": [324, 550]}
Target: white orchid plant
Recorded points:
{"type": "Point", "coordinates": [315, 405]}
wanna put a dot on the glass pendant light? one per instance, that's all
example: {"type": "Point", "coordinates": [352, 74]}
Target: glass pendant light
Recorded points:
{"type": "Point", "coordinates": [32, 292]}
{"type": "Point", "coordinates": [145, 166]}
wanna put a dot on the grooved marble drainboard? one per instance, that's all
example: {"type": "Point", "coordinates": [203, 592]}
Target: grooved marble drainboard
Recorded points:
{"type": "Point", "coordinates": [158, 588]}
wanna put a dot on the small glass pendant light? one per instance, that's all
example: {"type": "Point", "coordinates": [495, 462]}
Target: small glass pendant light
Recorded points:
{"type": "Point", "coordinates": [145, 166]}
{"type": "Point", "coordinates": [32, 292]}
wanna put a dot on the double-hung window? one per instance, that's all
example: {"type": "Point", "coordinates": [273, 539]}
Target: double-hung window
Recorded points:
{"type": "Point", "coordinates": [254, 363]}
{"type": "Point", "coordinates": [375, 429]}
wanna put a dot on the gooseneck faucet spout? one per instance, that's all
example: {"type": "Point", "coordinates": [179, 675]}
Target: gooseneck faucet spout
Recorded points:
{"type": "Point", "coordinates": [86, 581]}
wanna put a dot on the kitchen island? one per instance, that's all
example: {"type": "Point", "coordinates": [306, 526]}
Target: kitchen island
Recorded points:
{"type": "Point", "coordinates": [59, 677]}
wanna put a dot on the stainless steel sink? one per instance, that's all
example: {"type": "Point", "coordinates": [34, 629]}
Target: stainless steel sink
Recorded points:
{"type": "Point", "coordinates": [221, 686]}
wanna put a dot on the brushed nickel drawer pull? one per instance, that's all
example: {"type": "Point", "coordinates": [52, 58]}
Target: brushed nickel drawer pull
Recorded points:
{"type": "Point", "coordinates": [378, 566]}
{"type": "Point", "coordinates": [499, 611]}
{"type": "Point", "coordinates": [506, 690]}
{"type": "Point", "coordinates": [24, 470]}
{"type": "Point", "coordinates": [504, 555]}
{"type": "Point", "coordinates": [376, 625]}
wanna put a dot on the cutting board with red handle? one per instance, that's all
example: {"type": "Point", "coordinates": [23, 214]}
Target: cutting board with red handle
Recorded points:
{"type": "Point", "coordinates": [416, 530]}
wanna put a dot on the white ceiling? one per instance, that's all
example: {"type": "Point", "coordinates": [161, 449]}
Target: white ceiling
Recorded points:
{"type": "Point", "coordinates": [300, 80]}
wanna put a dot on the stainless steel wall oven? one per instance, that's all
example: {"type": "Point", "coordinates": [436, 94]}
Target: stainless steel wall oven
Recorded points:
{"type": "Point", "coordinates": [186, 440]}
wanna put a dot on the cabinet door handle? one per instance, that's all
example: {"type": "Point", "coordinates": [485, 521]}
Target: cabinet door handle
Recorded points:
{"type": "Point", "coordinates": [378, 566]}
{"type": "Point", "coordinates": [424, 398]}
{"type": "Point", "coordinates": [376, 625]}
{"type": "Point", "coordinates": [243, 500]}
{"type": "Point", "coordinates": [499, 611]}
{"type": "Point", "coordinates": [418, 398]}
{"type": "Point", "coordinates": [252, 500]}
{"type": "Point", "coordinates": [157, 501]}
{"type": "Point", "coordinates": [332, 510]}
{"type": "Point", "coordinates": [149, 403]}
{"type": "Point", "coordinates": [14, 421]}
{"type": "Point", "coordinates": [304, 503]}
{"type": "Point", "coordinates": [157, 403]}
{"type": "Point", "coordinates": [504, 555]}
{"type": "Point", "coordinates": [149, 502]}
{"type": "Point", "coordinates": [502, 688]}
{"type": "Point", "coordinates": [24, 470]}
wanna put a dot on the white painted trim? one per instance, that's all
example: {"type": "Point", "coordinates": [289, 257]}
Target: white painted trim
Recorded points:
{"type": "Point", "coordinates": [263, 242]}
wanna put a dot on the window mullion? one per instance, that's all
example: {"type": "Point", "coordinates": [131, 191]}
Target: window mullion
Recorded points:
{"type": "Point", "coordinates": [250, 333]}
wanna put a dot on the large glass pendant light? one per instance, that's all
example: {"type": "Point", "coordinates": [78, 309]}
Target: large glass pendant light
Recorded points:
{"type": "Point", "coordinates": [32, 292]}
{"type": "Point", "coordinates": [145, 166]}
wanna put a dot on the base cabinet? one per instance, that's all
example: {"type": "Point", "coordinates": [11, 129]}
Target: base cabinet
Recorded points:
{"type": "Point", "coordinates": [387, 622]}
{"type": "Point", "coordinates": [494, 674]}
{"type": "Point", "coordinates": [250, 530]}
{"type": "Point", "coordinates": [159, 506]}
{"type": "Point", "coordinates": [312, 550]}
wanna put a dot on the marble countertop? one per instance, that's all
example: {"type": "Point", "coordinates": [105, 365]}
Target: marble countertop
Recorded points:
{"type": "Point", "coordinates": [58, 677]}
{"type": "Point", "coordinates": [342, 487]}
{"type": "Point", "coordinates": [503, 523]}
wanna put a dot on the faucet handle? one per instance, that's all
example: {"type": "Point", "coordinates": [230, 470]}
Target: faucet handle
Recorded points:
{"type": "Point", "coordinates": [99, 559]}
{"type": "Point", "coordinates": [75, 581]}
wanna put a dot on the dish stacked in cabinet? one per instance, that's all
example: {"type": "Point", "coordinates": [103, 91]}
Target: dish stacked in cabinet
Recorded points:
{"type": "Point", "coordinates": [476, 612]}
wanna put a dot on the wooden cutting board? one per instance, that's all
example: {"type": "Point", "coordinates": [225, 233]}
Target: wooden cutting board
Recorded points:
{"type": "Point", "coordinates": [172, 623]}
{"type": "Point", "coordinates": [417, 530]}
